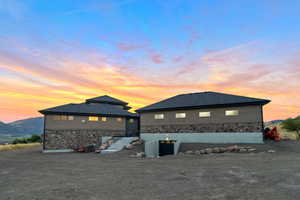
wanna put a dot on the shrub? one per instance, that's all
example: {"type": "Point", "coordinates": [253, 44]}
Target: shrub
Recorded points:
{"type": "Point", "coordinates": [32, 139]}
{"type": "Point", "coordinates": [292, 125]}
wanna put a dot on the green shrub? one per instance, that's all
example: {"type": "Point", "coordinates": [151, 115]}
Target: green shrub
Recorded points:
{"type": "Point", "coordinates": [292, 125]}
{"type": "Point", "coordinates": [32, 139]}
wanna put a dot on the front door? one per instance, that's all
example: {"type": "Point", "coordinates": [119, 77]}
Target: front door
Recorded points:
{"type": "Point", "coordinates": [132, 127]}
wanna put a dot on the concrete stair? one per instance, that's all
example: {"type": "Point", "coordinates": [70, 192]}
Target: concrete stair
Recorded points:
{"type": "Point", "coordinates": [119, 144]}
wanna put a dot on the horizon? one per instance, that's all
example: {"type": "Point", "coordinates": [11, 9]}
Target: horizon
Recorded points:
{"type": "Point", "coordinates": [54, 53]}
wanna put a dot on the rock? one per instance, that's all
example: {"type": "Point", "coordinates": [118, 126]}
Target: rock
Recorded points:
{"type": "Point", "coordinates": [222, 149]}
{"type": "Point", "coordinates": [140, 155]}
{"type": "Point", "coordinates": [202, 151]}
{"type": "Point", "coordinates": [232, 148]}
{"type": "Point", "coordinates": [242, 150]}
{"type": "Point", "coordinates": [251, 150]}
{"type": "Point", "coordinates": [271, 151]}
{"type": "Point", "coordinates": [189, 152]}
{"type": "Point", "coordinates": [208, 150]}
{"type": "Point", "coordinates": [129, 147]}
{"type": "Point", "coordinates": [197, 152]}
{"type": "Point", "coordinates": [216, 150]}
{"type": "Point", "coordinates": [180, 154]}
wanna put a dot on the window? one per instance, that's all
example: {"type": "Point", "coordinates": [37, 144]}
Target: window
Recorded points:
{"type": "Point", "coordinates": [204, 114]}
{"type": "Point", "coordinates": [70, 117]}
{"type": "Point", "coordinates": [180, 115]}
{"type": "Point", "coordinates": [231, 112]}
{"type": "Point", "coordinates": [158, 116]}
{"type": "Point", "coordinates": [131, 120]}
{"type": "Point", "coordinates": [93, 118]}
{"type": "Point", "coordinates": [64, 117]}
{"type": "Point", "coordinates": [56, 117]}
{"type": "Point", "coordinates": [119, 119]}
{"type": "Point", "coordinates": [103, 119]}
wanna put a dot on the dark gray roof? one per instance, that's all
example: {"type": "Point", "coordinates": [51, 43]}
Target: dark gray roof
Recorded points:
{"type": "Point", "coordinates": [89, 109]}
{"type": "Point", "coordinates": [202, 100]}
{"type": "Point", "coordinates": [106, 99]}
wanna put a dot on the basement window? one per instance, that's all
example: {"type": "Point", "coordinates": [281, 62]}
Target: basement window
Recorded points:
{"type": "Point", "coordinates": [119, 119]}
{"type": "Point", "coordinates": [70, 117]}
{"type": "Point", "coordinates": [204, 114]}
{"type": "Point", "coordinates": [64, 117]}
{"type": "Point", "coordinates": [159, 116]}
{"type": "Point", "coordinates": [93, 118]}
{"type": "Point", "coordinates": [231, 112]}
{"type": "Point", "coordinates": [104, 119]}
{"type": "Point", "coordinates": [180, 115]}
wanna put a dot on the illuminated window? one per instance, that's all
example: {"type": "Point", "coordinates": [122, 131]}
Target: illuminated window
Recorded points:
{"type": "Point", "coordinates": [70, 117]}
{"type": "Point", "coordinates": [56, 117]}
{"type": "Point", "coordinates": [180, 115]}
{"type": "Point", "coordinates": [64, 117]}
{"type": "Point", "coordinates": [158, 116]}
{"type": "Point", "coordinates": [119, 119]}
{"type": "Point", "coordinates": [93, 118]}
{"type": "Point", "coordinates": [131, 120]}
{"type": "Point", "coordinates": [204, 114]}
{"type": "Point", "coordinates": [103, 119]}
{"type": "Point", "coordinates": [231, 112]}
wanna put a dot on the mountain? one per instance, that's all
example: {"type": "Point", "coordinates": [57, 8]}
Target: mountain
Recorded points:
{"type": "Point", "coordinates": [23, 127]}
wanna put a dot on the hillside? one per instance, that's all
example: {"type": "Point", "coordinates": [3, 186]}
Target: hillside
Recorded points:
{"type": "Point", "coordinates": [23, 127]}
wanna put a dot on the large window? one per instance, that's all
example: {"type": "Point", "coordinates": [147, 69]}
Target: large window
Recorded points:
{"type": "Point", "coordinates": [159, 116]}
{"type": "Point", "coordinates": [180, 115]}
{"type": "Point", "coordinates": [119, 119]}
{"type": "Point", "coordinates": [70, 117]}
{"type": "Point", "coordinates": [231, 112]}
{"type": "Point", "coordinates": [56, 117]}
{"type": "Point", "coordinates": [63, 117]}
{"type": "Point", "coordinates": [204, 114]}
{"type": "Point", "coordinates": [104, 119]}
{"type": "Point", "coordinates": [93, 118]}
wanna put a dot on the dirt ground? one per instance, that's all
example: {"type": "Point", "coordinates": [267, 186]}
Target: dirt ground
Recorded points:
{"type": "Point", "coordinates": [29, 174]}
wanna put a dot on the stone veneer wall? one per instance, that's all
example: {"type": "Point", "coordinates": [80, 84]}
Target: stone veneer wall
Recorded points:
{"type": "Point", "coordinates": [70, 139]}
{"type": "Point", "coordinates": [203, 128]}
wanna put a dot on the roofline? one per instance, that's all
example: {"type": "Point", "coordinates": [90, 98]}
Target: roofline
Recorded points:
{"type": "Point", "coordinates": [87, 114]}
{"type": "Point", "coordinates": [263, 102]}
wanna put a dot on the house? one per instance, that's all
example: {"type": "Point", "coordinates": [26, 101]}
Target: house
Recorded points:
{"type": "Point", "coordinates": [71, 125]}
{"type": "Point", "coordinates": [206, 117]}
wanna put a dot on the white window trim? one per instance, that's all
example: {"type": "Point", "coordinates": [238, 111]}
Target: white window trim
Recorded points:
{"type": "Point", "coordinates": [233, 113]}
{"type": "Point", "coordinates": [205, 116]}
{"type": "Point", "coordinates": [159, 116]}
{"type": "Point", "coordinates": [178, 115]}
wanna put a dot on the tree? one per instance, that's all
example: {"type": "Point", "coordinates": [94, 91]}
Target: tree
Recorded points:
{"type": "Point", "coordinates": [292, 125]}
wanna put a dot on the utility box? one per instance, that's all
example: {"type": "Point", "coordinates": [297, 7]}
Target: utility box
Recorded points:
{"type": "Point", "coordinates": [166, 147]}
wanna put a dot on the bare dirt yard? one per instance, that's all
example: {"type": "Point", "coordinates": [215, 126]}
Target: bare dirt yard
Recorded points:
{"type": "Point", "coordinates": [28, 174]}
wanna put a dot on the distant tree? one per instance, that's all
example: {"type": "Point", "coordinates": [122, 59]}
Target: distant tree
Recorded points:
{"type": "Point", "coordinates": [292, 125]}
{"type": "Point", "coordinates": [32, 139]}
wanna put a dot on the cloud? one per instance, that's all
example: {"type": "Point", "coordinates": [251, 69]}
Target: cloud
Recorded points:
{"type": "Point", "coordinates": [157, 58]}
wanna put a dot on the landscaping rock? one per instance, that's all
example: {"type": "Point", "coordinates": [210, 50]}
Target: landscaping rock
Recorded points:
{"type": "Point", "coordinates": [140, 154]}
{"type": "Point", "coordinates": [216, 150]}
{"type": "Point", "coordinates": [129, 147]}
{"type": "Point", "coordinates": [222, 149]}
{"type": "Point", "coordinates": [202, 151]}
{"type": "Point", "coordinates": [251, 150]}
{"type": "Point", "coordinates": [208, 150]}
{"type": "Point", "coordinates": [233, 148]}
{"type": "Point", "coordinates": [242, 150]}
{"type": "Point", "coordinates": [197, 152]}
{"type": "Point", "coordinates": [189, 152]}
{"type": "Point", "coordinates": [271, 151]}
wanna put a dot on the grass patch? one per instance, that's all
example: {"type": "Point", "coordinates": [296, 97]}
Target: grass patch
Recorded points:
{"type": "Point", "coordinates": [8, 147]}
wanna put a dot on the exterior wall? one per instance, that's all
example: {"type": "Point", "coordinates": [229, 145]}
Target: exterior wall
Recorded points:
{"type": "Point", "coordinates": [77, 124]}
{"type": "Point", "coordinates": [248, 120]}
{"type": "Point", "coordinates": [69, 134]}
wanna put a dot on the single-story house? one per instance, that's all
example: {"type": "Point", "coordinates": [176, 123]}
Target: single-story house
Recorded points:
{"type": "Point", "coordinates": [71, 125]}
{"type": "Point", "coordinates": [205, 117]}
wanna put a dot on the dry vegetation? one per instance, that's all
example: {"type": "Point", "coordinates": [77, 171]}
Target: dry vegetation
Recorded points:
{"type": "Point", "coordinates": [284, 134]}
{"type": "Point", "coordinates": [17, 146]}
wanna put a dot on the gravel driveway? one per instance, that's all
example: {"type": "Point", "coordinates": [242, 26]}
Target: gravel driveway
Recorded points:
{"type": "Point", "coordinates": [28, 174]}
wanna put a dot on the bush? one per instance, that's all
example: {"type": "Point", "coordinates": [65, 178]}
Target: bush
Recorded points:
{"type": "Point", "coordinates": [32, 139]}
{"type": "Point", "coordinates": [292, 125]}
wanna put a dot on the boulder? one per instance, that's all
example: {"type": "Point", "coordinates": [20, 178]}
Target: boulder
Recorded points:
{"type": "Point", "coordinates": [208, 150]}
{"type": "Point", "coordinates": [216, 150]}
{"type": "Point", "coordinates": [271, 151]}
{"type": "Point", "coordinates": [140, 154]}
{"type": "Point", "coordinates": [251, 150]}
{"type": "Point", "coordinates": [189, 152]}
{"type": "Point", "coordinates": [242, 150]}
{"type": "Point", "coordinates": [233, 148]}
{"type": "Point", "coordinates": [197, 152]}
{"type": "Point", "coordinates": [202, 151]}
{"type": "Point", "coordinates": [222, 149]}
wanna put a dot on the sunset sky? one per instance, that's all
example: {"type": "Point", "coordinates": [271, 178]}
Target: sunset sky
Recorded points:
{"type": "Point", "coordinates": [141, 51]}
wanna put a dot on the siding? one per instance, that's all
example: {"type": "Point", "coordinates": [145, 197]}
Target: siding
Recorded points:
{"type": "Point", "coordinates": [246, 114]}
{"type": "Point", "coordinates": [110, 124]}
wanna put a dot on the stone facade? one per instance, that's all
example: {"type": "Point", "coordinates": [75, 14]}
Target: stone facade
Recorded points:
{"type": "Point", "coordinates": [203, 128]}
{"type": "Point", "coordinates": [70, 139]}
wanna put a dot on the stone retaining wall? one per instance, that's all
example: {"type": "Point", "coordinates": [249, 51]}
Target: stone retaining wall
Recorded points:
{"type": "Point", "coordinates": [70, 139]}
{"type": "Point", "coordinates": [202, 128]}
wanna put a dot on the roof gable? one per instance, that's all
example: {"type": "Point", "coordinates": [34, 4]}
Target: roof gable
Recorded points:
{"type": "Point", "coordinates": [203, 99]}
{"type": "Point", "coordinates": [106, 99]}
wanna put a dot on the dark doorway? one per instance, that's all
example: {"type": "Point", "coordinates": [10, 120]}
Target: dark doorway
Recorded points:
{"type": "Point", "coordinates": [132, 127]}
{"type": "Point", "coordinates": [166, 147]}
